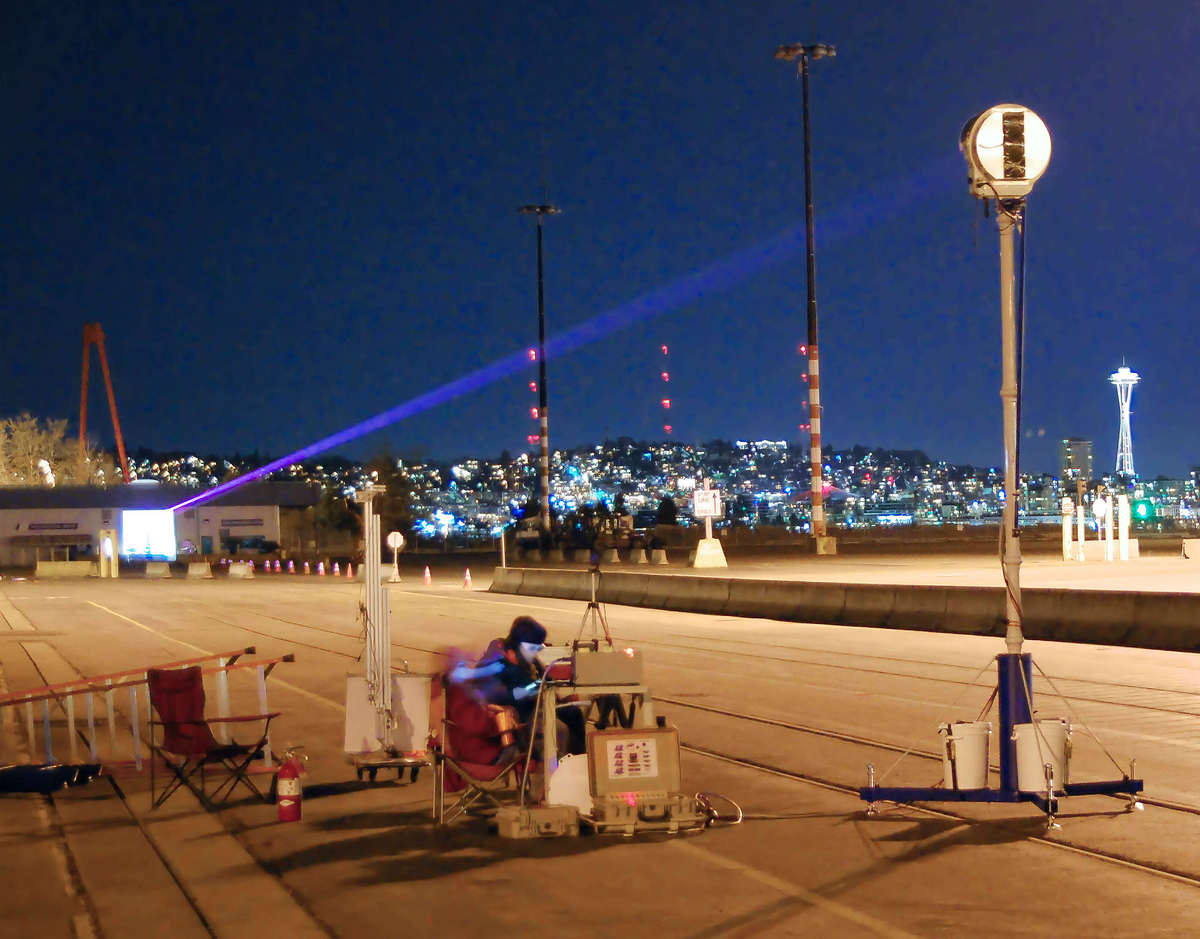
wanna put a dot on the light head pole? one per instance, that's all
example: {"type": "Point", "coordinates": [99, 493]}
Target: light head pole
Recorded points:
{"type": "Point", "coordinates": [1007, 148]}
{"type": "Point", "coordinates": [544, 510]}
{"type": "Point", "coordinates": [797, 52]}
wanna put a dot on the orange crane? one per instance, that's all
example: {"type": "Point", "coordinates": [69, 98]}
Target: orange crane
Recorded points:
{"type": "Point", "coordinates": [93, 334]}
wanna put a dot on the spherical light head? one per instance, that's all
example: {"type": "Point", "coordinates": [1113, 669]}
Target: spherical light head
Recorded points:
{"type": "Point", "coordinates": [1007, 148]}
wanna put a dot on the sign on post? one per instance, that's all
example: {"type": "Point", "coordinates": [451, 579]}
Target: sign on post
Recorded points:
{"type": "Point", "coordinates": [706, 503]}
{"type": "Point", "coordinates": [395, 541]}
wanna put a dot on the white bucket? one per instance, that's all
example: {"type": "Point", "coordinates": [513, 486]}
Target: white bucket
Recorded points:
{"type": "Point", "coordinates": [965, 754]}
{"type": "Point", "coordinates": [1050, 743]}
{"type": "Point", "coordinates": [410, 705]}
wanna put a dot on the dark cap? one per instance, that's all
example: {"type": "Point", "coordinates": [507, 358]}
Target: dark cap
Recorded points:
{"type": "Point", "coordinates": [525, 629]}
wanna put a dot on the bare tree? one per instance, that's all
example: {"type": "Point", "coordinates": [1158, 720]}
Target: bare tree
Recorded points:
{"type": "Point", "coordinates": [24, 440]}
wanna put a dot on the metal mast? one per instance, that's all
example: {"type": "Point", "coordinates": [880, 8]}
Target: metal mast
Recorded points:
{"type": "Point", "coordinates": [1124, 378]}
{"type": "Point", "coordinates": [544, 511]}
{"type": "Point", "coordinates": [803, 53]}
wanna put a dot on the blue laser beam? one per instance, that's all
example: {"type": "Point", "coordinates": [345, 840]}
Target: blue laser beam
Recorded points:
{"type": "Point", "coordinates": [850, 218]}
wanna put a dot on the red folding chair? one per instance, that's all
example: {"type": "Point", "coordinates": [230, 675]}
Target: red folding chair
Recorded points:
{"type": "Point", "coordinates": [188, 746]}
{"type": "Point", "coordinates": [473, 735]}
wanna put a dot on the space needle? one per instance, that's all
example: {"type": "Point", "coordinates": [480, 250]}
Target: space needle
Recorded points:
{"type": "Point", "coordinates": [1124, 378]}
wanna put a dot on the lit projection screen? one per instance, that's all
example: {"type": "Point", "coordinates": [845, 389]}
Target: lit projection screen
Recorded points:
{"type": "Point", "coordinates": [148, 534]}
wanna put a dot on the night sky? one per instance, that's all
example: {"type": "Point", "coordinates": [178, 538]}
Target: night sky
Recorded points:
{"type": "Point", "coordinates": [289, 217]}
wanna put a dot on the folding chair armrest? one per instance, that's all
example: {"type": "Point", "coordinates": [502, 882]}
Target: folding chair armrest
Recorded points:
{"type": "Point", "coordinates": [241, 719]}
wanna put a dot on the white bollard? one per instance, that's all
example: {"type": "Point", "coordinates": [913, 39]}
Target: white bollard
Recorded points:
{"type": "Point", "coordinates": [1079, 510]}
{"type": "Point", "coordinates": [1123, 523]}
{"type": "Point", "coordinates": [1108, 531]}
{"type": "Point", "coordinates": [1068, 510]}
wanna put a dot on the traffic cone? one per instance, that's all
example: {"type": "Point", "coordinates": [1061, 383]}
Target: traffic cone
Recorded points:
{"type": "Point", "coordinates": [337, 571]}
{"type": "Point", "coordinates": [428, 578]}
{"type": "Point", "coordinates": [306, 570]}
{"type": "Point", "coordinates": [291, 567]}
{"type": "Point", "coordinates": [320, 568]}
{"type": "Point", "coordinates": [349, 570]}
{"type": "Point", "coordinates": [467, 578]}
{"type": "Point", "coordinates": [278, 569]}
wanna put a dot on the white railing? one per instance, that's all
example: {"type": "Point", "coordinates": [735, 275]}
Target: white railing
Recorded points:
{"type": "Point", "coordinates": [35, 709]}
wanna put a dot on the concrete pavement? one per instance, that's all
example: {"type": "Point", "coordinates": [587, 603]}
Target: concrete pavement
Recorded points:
{"type": "Point", "coordinates": [366, 861]}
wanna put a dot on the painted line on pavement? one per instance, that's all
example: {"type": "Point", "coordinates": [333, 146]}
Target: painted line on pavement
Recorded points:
{"type": "Point", "coordinates": [17, 621]}
{"type": "Point", "coordinates": [277, 681]}
{"type": "Point", "coordinates": [787, 888]}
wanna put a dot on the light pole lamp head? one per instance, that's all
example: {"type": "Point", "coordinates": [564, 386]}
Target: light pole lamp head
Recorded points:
{"type": "Point", "coordinates": [796, 50]}
{"type": "Point", "coordinates": [1007, 148]}
{"type": "Point", "coordinates": [539, 210]}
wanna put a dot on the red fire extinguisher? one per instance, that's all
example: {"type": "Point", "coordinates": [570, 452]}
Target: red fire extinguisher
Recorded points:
{"type": "Point", "coordinates": [289, 792]}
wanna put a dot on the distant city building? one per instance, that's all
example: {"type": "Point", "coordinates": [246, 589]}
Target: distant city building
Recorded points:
{"type": "Point", "coordinates": [1075, 461]}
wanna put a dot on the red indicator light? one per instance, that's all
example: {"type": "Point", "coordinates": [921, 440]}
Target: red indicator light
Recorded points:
{"type": "Point", "coordinates": [533, 355]}
{"type": "Point", "coordinates": [804, 350]}
{"type": "Point", "coordinates": [666, 403]}
{"type": "Point", "coordinates": [667, 428]}
{"type": "Point", "coordinates": [533, 412]}
{"type": "Point", "coordinates": [666, 377]}
{"type": "Point", "coordinates": [534, 438]}
{"type": "Point", "coordinates": [804, 376]}
{"type": "Point", "coordinates": [664, 348]}
{"type": "Point", "coordinates": [533, 386]}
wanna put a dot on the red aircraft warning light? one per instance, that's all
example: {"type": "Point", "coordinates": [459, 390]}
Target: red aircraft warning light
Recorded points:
{"type": "Point", "coordinates": [533, 412]}
{"type": "Point", "coordinates": [667, 428]}
{"type": "Point", "coordinates": [533, 355]}
{"type": "Point", "coordinates": [533, 386]}
{"type": "Point", "coordinates": [666, 403]}
{"type": "Point", "coordinates": [666, 376]}
{"type": "Point", "coordinates": [534, 438]}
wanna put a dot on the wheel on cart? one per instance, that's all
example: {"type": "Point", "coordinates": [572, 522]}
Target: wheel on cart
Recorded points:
{"type": "Point", "coordinates": [412, 776]}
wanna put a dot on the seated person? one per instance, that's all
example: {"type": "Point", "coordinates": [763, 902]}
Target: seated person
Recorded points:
{"type": "Point", "coordinates": [510, 675]}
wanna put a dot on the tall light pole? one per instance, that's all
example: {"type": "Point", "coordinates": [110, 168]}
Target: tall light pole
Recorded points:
{"type": "Point", "coordinates": [825, 544]}
{"type": "Point", "coordinates": [544, 511]}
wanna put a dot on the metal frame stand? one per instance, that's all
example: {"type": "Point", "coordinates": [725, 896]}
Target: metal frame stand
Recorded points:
{"type": "Point", "coordinates": [1014, 673]}
{"type": "Point", "coordinates": [378, 653]}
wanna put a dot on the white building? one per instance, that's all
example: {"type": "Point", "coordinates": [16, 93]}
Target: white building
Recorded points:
{"type": "Point", "coordinates": [64, 523]}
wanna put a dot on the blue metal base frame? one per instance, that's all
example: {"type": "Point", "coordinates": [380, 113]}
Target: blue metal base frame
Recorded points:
{"type": "Point", "coordinates": [1015, 684]}
{"type": "Point", "coordinates": [905, 794]}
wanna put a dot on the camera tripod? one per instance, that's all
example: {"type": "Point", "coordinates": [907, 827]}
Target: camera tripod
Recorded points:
{"type": "Point", "coordinates": [593, 616]}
